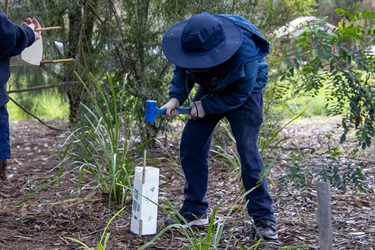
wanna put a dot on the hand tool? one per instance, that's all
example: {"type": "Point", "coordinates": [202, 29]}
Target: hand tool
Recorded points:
{"type": "Point", "coordinates": [152, 111]}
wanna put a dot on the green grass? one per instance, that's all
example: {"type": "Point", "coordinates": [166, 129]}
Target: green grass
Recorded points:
{"type": "Point", "coordinates": [317, 120]}
{"type": "Point", "coordinates": [313, 106]}
{"type": "Point", "coordinates": [47, 107]}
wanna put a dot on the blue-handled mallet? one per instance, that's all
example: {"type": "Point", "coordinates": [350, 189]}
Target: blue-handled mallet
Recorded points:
{"type": "Point", "coordinates": [152, 111]}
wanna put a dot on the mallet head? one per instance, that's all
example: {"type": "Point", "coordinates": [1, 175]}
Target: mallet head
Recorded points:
{"type": "Point", "coordinates": [151, 111]}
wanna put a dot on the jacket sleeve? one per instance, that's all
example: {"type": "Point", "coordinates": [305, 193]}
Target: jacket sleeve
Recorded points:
{"type": "Point", "coordinates": [14, 38]}
{"type": "Point", "coordinates": [262, 77]}
{"type": "Point", "coordinates": [234, 95]}
{"type": "Point", "coordinates": [180, 85]}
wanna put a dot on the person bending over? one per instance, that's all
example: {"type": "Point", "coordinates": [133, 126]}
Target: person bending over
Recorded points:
{"type": "Point", "coordinates": [223, 54]}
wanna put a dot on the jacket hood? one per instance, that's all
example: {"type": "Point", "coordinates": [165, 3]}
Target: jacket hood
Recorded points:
{"type": "Point", "coordinates": [256, 35]}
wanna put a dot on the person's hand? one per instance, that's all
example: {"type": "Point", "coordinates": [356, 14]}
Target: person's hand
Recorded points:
{"type": "Point", "coordinates": [197, 110]}
{"type": "Point", "coordinates": [33, 24]}
{"type": "Point", "coordinates": [171, 107]}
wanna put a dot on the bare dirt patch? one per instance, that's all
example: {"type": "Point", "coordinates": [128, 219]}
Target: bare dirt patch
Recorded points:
{"type": "Point", "coordinates": [41, 220]}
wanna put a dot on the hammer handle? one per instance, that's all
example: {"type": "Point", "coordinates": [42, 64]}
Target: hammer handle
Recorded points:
{"type": "Point", "coordinates": [179, 110]}
{"type": "Point", "coordinates": [183, 110]}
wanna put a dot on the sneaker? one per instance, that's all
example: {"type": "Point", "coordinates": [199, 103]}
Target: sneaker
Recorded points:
{"type": "Point", "coordinates": [264, 228]}
{"type": "Point", "coordinates": [185, 218]}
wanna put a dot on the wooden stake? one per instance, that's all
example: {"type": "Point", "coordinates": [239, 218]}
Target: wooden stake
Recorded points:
{"type": "Point", "coordinates": [49, 28]}
{"type": "Point", "coordinates": [144, 166]}
{"type": "Point", "coordinates": [57, 61]}
{"type": "Point", "coordinates": [6, 7]}
{"type": "Point", "coordinates": [324, 216]}
{"type": "Point", "coordinates": [140, 227]}
{"type": "Point", "coordinates": [144, 158]}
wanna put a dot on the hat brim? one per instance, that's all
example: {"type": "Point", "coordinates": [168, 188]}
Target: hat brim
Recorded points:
{"type": "Point", "coordinates": [173, 51]}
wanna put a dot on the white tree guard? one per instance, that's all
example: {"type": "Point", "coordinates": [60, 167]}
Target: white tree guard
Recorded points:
{"type": "Point", "coordinates": [31, 56]}
{"type": "Point", "coordinates": [145, 200]}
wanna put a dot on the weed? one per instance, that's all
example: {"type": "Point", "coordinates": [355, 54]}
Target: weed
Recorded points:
{"type": "Point", "coordinates": [98, 148]}
{"type": "Point", "coordinates": [266, 147]}
{"type": "Point", "coordinates": [302, 174]}
{"type": "Point", "coordinates": [102, 244]}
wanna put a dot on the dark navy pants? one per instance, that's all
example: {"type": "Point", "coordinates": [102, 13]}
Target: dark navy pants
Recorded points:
{"type": "Point", "coordinates": [4, 134]}
{"type": "Point", "coordinates": [196, 139]}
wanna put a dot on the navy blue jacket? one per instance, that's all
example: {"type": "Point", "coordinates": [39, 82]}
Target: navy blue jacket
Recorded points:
{"type": "Point", "coordinates": [13, 40]}
{"type": "Point", "coordinates": [228, 85]}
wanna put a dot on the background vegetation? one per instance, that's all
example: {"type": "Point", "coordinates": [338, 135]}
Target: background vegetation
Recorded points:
{"type": "Point", "coordinates": [120, 40]}
{"type": "Point", "coordinates": [119, 65]}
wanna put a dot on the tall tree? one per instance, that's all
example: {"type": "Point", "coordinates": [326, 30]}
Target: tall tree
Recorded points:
{"type": "Point", "coordinates": [122, 38]}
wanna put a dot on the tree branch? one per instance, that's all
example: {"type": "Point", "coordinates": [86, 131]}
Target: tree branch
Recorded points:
{"type": "Point", "coordinates": [29, 113]}
{"type": "Point", "coordinates": [41, 87]}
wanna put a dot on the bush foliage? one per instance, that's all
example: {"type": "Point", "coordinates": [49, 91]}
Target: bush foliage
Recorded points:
{"type": "Point", "coordinates": [340, 63]}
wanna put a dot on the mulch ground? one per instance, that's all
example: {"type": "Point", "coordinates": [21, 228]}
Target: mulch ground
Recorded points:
{"type": "Point", "coordinates": [36, 214]}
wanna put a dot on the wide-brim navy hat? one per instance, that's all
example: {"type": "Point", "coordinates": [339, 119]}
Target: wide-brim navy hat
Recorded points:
{"type": "Point", "coordinates": [202, 41]}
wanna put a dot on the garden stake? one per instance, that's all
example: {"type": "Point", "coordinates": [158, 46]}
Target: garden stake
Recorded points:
{"type": "Point", "coordinates": [324, 216]}
{"type": "Point", "coordinates": [49, 28]}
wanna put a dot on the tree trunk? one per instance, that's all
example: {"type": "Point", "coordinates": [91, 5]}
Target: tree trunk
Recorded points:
{"type": "Point", "coordinates": [81, 23]}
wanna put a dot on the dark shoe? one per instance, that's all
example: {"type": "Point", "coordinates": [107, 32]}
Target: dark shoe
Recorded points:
{"type": "Point", "coordinates": [3, 168]}
{"type": "Point", "coordinates": [184, 218]}
{"type": "Point", "coordinates": [265, 229]}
